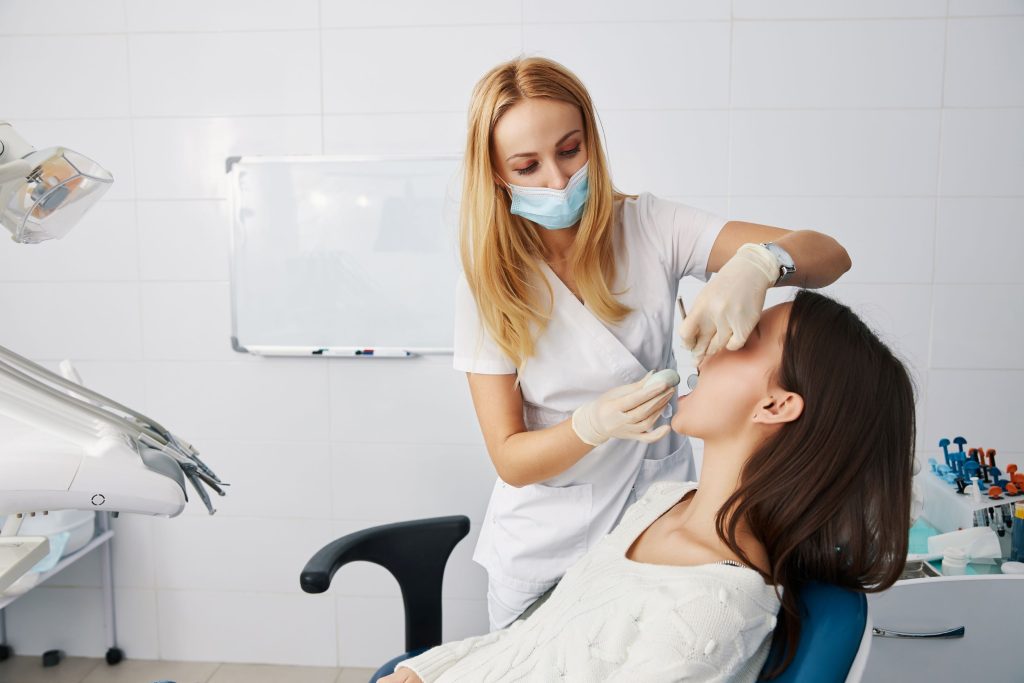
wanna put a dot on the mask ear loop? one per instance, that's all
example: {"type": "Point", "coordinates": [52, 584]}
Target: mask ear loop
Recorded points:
{"type": "Point", "coordinates": [502, 185]}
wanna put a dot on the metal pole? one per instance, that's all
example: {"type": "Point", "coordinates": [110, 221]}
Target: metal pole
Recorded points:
{"type": "Point", "coordinates": [107, 569]}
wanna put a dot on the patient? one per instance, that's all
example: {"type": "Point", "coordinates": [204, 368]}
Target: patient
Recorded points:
{"type": "Point", "coordinates": [808, 455]}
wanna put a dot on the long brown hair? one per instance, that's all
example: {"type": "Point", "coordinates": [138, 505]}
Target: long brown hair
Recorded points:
{"type": "Point", "coordinates": [829, 494]}
{"type": "Point", "coordinates": [499, 250]}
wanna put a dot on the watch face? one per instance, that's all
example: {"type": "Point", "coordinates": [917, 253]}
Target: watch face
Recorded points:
{"type": "Point", "coordinates": [785, 260]}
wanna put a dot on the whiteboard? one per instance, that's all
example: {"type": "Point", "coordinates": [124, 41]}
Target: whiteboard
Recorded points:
{"type": "Point", "coordinates": [342, 253]}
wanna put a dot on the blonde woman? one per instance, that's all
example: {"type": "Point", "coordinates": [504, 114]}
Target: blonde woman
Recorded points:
{"type": "Point", "coordinates": [566, 306]}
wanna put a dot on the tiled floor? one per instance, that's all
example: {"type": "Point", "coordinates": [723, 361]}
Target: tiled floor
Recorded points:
{"type": "Point", "coordinates": [87, 670]}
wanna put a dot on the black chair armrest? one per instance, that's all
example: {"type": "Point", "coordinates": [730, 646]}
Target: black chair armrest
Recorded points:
{"type": "Point", "coordinates": [414, 552]}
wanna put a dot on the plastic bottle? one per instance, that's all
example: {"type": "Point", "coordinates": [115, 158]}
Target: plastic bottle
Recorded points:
{"type": "Point", "coordinates": [954, 562]}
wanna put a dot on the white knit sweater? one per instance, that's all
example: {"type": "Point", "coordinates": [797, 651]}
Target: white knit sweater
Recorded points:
{"type": "Point", "coordinates": [614, 619]}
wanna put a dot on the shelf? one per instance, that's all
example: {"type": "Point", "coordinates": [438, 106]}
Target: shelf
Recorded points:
{"type": "Point", "coordinates": [97, 541]}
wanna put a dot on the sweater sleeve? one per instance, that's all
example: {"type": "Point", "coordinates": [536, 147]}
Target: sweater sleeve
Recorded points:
{"type": "Point", "coordinates": [435, 661]}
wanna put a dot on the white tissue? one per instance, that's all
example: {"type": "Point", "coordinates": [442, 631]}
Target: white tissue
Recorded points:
{"type": "Point", "coordinates": [978, 543]}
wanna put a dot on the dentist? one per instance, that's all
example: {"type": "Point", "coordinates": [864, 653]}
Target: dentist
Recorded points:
{"type": "Point", "coordinates": [566, 304]}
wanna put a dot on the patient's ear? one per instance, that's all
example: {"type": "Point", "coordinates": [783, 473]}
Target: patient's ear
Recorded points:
{"type": "Point", "coordinates": [779, 407]}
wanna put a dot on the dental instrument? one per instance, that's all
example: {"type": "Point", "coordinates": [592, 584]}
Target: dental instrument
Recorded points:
{"type": "Point", "coordinates": [970, 469]}
{"type": "Point", "coordinates": [958, 460]}
{"type": "Point", "coordinates": [997, 522]}
{"type": "Point", "coordinates": [944, 445]}
{"type": "Point", "coordinates": [991, 455]}
{"type": "Point", "coordinates": [86, 452]}
{"type": "Point", "coordinates": [43, 193]}
{"type": "Point", "coordinates": [106, 456]}
{"type": "Point", "coordinates": [691, 381]}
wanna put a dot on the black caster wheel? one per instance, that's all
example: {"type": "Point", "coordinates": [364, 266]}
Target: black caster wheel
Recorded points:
{"type": "Point", "coordinates": [6, 652]}
{"type": "Point", "coordinates": [52, 657]}
{"type": "Point", "coordinates": [114, 656]}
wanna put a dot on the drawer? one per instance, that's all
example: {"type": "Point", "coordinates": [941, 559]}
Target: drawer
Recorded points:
{"type": "Point", "coordinates": [988, 607]}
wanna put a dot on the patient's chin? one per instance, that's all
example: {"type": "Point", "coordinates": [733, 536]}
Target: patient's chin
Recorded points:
{"type": "Point", "coordinates": [679, 426]}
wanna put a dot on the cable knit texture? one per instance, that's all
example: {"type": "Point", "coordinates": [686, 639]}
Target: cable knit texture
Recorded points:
{"type": "Point", "coordinates": [613, 619]}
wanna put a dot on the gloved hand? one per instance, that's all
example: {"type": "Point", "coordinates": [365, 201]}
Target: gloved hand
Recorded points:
{"type": "Point", "coordinates": [728, 308]}
{"type": "Point", "coordinates": [625, 412]}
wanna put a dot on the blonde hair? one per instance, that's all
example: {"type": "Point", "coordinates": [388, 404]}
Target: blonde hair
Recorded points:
{"type": "Point", "coordinates": [500, 250]}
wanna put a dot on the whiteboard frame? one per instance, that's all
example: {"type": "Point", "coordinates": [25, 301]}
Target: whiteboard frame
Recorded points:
{"type": "Point", "coordinates": [313, 351]}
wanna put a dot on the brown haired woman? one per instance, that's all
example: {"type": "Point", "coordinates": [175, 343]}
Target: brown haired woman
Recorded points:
{"type": "Point", "coordinates": [808, 459]}
{"type": "Point", "coordinates": [567, 302]}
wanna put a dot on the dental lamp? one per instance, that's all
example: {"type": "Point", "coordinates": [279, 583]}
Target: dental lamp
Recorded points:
{"type": "Point", "coordinates": [43, 193]}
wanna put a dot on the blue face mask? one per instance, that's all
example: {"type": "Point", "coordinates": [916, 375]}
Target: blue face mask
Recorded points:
{"type": "Point", "coordinates": [553, 209]}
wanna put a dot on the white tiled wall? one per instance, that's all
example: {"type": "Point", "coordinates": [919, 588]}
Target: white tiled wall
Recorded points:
{"type": "Point", "coordinates": [896, 126]}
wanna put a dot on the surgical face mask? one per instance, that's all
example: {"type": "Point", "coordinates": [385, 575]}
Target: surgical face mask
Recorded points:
{"type": "Point", "coordinates": [553, 209]}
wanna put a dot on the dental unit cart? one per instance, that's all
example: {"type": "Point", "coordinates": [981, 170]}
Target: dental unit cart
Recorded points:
{"type": "Point", "coordinates": [101, 541]}
{"type": "Point", "coordinates": [962, 624]}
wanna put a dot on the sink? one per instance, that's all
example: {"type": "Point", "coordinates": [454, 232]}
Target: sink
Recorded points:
{"type": "Point", "coordinates": [918, 569]}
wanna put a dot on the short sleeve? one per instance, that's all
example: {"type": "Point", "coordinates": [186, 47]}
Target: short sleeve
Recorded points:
{"type": "Point", "coordinates": [684, 235]}
{"type": "Point", "coordinates": [475, 349]}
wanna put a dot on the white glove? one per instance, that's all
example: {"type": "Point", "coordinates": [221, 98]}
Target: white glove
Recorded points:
{"type": "Point", "coordinates": [728, 308]}
{"type": "Point", "coordinates": [625, 412]}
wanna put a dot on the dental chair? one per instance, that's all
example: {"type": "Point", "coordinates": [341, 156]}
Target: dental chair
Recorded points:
{"type": "Point", "coordinates": [834, 641]}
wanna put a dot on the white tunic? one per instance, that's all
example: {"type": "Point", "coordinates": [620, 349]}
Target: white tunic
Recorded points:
{"type": "Point", "coordinates": [533, 534]}
{"type": "Point", "coordinates": [614, 619]}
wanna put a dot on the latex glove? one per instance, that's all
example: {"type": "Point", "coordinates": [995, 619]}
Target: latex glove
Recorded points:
{"type": "Point", "coordinates": [625, 412]}
{"type": "Point", "coordinates": [728, 308]}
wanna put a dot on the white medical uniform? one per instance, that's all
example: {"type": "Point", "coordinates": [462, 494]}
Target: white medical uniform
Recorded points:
{"type": "Point", "coordinates": [533, 534]}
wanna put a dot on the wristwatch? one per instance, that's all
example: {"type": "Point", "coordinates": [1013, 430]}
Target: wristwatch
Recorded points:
{"type": "Point", "coordinates": [786, 265]}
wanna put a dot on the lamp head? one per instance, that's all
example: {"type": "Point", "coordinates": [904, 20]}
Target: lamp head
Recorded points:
{"type": "Point", "coordinates": [43, 193]}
